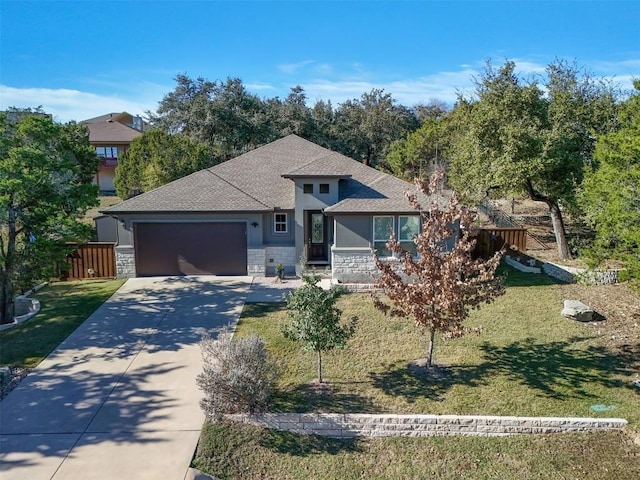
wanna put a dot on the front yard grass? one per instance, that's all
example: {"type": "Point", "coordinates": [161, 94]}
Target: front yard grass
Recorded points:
{"type": "Point", "coordinates": [528, 361]}
{"type": "Point", "coordinates": [64, 306]}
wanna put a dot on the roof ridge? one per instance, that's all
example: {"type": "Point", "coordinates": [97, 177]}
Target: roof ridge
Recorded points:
{"type": "Point", "coordinates": [315, 159]}
{"type": "Point", "coordinates": [235, 187]}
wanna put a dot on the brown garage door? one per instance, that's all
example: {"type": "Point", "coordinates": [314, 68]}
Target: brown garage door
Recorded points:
{"type": "Point", "coordinates": [191, 249]}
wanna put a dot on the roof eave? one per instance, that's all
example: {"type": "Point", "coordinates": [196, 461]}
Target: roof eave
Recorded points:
{"type": "Point", "coordinates": [294, 176]}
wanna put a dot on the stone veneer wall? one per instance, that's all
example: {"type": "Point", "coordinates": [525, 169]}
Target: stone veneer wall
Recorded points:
{"type": "Point", "coordinates": [352, 265]}
{"type": "Point", "coordinates": [365, 425]}
{"type": "Point", "coordinates": [125, 261]}
{"type": "Point", "coordinates": [571, 274]}
{"type": "Point", "coordinates": [255, 261]}
{"type": "Point", "coordinates": [284, 255]}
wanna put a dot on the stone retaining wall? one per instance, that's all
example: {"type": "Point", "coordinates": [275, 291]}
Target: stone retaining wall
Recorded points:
{"type": "Point", "coordinates": [572, 274]}
{"type": "Point", "coordinates": [365, 425]}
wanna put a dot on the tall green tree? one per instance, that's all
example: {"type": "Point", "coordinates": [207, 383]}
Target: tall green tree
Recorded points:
{"type": "Point", "coordinates": [518, 137]}
{"type": "Point", "coordinates": [611, 190]}
{"type": "Point", "coordinates": [46, 170]}
{"type": "Point", "coordinates": [422, 152]}
{"type": "Point", "coordinates": [221, 114]}
{"type": "Point", "coordinates": [155, 158]}
{"type": "Point", "coordinates": [315, 319]}
{"type": "Point", "coordinates": [366, 127]}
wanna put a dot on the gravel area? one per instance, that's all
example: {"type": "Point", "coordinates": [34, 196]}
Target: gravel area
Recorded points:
{"type": "Point", "coordinates": [11, 379]}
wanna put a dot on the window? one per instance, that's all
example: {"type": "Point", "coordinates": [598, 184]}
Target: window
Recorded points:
{"type": "Point", "coordinates": [408, 228]}
{"type": "Point", "coordinates": [107, 152]}
{"type": "Point", "coordinates": [324, 188]}
{"type": "Point", "coordinates": [307, 188]}
{"type": "Point", "coordinates": [280, 223]}
{"type": "Point", "coordinates": [382, 230]}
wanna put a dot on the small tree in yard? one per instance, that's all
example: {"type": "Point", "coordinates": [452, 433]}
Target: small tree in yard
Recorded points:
{"type": "Point", "coordinates": [238, 375]}
{"type": "Point", "coordinates": [438, 287]}
{"type": "Point", "coordinates": [315, 319]}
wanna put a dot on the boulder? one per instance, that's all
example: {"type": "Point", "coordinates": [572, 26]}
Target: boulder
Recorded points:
{"type": "Point", "coordinates": [576, 310]}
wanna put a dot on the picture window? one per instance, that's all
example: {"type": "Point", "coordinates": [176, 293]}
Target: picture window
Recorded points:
{"type": "Point", "coordinates": [382, 230]}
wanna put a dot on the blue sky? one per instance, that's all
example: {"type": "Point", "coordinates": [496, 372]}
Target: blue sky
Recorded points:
{"type": "Point", "coordinates": [85, 58]}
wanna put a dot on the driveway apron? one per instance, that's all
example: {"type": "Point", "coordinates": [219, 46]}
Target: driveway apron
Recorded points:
{"type": "Point", "coordinates": [118, 398]}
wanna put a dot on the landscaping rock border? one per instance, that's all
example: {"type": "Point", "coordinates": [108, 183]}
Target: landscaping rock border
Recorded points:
{"type": "Point", "coordinates": [368, 425]}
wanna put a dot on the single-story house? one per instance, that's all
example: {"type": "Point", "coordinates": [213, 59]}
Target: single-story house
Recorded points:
{"type": "Point", "coordinates": [290, 202]}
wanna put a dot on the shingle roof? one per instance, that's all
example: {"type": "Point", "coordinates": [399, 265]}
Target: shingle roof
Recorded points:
{"type": "Point", "coordinates": [111, 132]}
{"type": "Point", "coordinates": [258, 181]}
{"type": "Point", "coordinates": [201, 191]}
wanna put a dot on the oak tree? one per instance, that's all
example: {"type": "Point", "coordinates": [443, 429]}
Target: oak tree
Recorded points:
{"type": "Point", "coordinates": [439, 285]}
{"type": "Point", "coordinates": [46, 170]}
{"type": "Point", "coordinates": [155, 158]}
{"type": "Point", "coordinates": [519, 137]}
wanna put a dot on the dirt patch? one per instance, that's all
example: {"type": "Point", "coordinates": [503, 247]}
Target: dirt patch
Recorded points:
{"type": "Point", "coordinates": [620, 306]}
{"type": "Point", "coordinates": [418, 368]}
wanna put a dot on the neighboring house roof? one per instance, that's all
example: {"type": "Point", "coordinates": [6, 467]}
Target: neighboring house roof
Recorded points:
{"type": "Point", "coordinates": [115, 116]}
{"type": "Point", "coordinates": [260, 180]}
{"type": "Point", "coordinates": [111, 132]}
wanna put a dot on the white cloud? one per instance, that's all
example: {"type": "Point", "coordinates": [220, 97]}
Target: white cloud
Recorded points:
{"type": "Point", "coordinates": [291, 68]}
{"type": "Point", "coordinates": [443, 86]}
{"type": "Point", "coordinates": [259, 86]}
{"type": "Point", "coordinates": [66, 104]}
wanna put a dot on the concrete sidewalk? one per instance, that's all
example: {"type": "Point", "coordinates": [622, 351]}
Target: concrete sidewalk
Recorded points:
{"type": "Point", "coordinates": [118, 398]}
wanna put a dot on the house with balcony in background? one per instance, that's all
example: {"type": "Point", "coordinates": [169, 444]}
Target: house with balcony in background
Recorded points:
{"type": "Point", "coordinates": [111, 135]}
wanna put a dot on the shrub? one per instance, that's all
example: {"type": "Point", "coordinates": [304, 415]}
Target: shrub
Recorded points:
{"type": "Point", "coordinates": [238, 375]}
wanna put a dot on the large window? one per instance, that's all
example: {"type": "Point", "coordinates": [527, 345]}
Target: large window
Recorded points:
{"type": "Point", "coordinates": [107, 152]}
{"type": "Point", "coordinates": [382, 230]}
{"type": "Point", "coordinates": [408, 228]}
{"type": "Point", "coordinates": [280, 223]}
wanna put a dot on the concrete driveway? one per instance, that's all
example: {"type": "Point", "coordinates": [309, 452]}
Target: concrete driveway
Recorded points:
{"type": "Point", "coordinates": [118, 399]}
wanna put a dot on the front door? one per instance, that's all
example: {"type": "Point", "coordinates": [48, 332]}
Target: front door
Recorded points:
{"type": "Point", "coordinates": [316, 237]}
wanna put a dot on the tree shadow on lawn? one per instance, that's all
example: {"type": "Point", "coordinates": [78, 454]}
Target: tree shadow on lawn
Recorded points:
{"type": "Point", "coordinates": [403, 380]}
{"type": "Point", "coordinates": [304, 445]}
{"type": "Point", "coordinates": [560, 369]}
{"type": "Point", "coordinates": [555, 370]}
{"type": "Point", "coordinates": [261, 309]}
{"type": "Point", "coordinates": [326, 398]}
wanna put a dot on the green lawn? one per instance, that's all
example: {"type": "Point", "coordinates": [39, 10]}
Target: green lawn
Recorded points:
{"type": "Point", "coordinates": [64, 306]}
{"type": "Point", "coordinates": [528, 360]}
{"type": "Point", "coordinates": [235, 451]}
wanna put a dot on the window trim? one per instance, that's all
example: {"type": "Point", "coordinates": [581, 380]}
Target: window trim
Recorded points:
{"type": "Point", "coordinates": [277, 222]}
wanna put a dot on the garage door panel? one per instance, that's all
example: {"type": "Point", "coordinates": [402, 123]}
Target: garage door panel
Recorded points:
{"type": "Point", "coordinates": [191, 249]}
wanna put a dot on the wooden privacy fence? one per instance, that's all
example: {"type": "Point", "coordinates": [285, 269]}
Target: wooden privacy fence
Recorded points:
{"type": "Point", "coordinates": [90, 260]}
{"type": "Point", "coordinates": [492, 240]}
